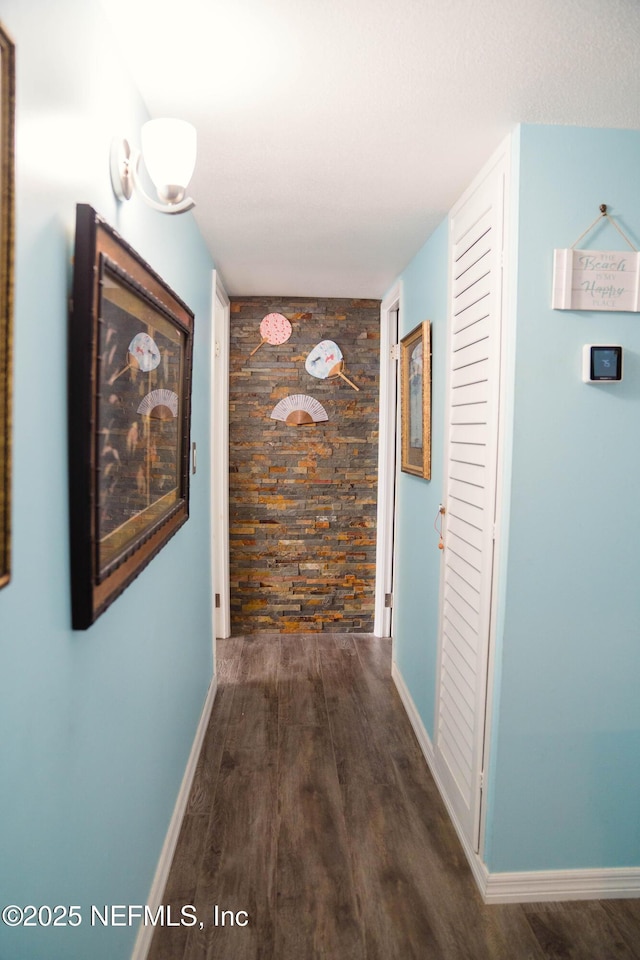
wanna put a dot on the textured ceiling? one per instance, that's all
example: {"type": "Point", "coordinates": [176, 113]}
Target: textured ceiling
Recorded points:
{"type": "Point", "coordinates": [334, 135]}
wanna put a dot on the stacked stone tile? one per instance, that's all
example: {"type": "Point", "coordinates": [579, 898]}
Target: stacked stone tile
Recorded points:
{"type": "Point", "coordinates": [303, 499]}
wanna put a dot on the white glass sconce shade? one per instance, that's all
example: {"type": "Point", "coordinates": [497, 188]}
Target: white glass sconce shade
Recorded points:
{"type": "Point", "coordinates": [169, 152]}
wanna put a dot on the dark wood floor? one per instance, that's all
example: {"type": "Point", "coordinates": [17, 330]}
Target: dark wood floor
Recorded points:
{"type": "Point", "coordinates": [313, 810]}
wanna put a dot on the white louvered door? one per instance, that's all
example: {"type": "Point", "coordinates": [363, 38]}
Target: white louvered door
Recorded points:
{"type": "Point", "coordinates": [476, 236]}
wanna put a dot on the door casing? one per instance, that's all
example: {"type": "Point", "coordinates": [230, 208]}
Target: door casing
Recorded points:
{"type": "Point", "coordinates": [387, 460]}
{"type": "Point", "coordinates": [220, 459]}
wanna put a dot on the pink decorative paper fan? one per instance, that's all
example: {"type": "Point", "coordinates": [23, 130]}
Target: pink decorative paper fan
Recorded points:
{"type": "Point", "coordinates": [274, 329]}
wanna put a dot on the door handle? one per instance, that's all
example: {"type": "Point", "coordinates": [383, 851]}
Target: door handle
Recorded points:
{"type": "Point", "coordinates": [437, 525]}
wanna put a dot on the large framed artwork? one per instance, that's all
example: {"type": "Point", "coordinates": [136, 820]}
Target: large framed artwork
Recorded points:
{"type": "Point", "coordinates": [7, 166]}
{"type": "Point", "coordinates": [415, 381]}
{"type": "Point", "coordinates": [130, 359]}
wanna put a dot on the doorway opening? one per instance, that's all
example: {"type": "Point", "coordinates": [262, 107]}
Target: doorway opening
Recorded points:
{"type": "Point", "coordinates": [387, 460]}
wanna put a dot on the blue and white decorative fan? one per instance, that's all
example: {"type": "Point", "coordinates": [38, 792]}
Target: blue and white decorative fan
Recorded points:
{"type": "Point", "coordinates": [143, 354]}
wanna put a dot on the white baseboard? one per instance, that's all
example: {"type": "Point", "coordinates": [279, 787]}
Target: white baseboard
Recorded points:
{"type": "Point", "coordinates": [411, 710]}
{"type": "Point", "coordinates": [154, 900]}
{"type": "Point", "coordinates": [528, 886]}
{"type": "Point", "coordinates": [424, 740]}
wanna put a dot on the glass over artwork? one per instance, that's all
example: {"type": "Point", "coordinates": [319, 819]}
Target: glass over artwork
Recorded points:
{"type": "Point", "coordinates": [130, 363]}
{"type": "Point", "coordinates": [415, 382]}
{"type": "Point", "coordinates": [141, 356]}
{"type": "Point", "coordinates": [415, 398]}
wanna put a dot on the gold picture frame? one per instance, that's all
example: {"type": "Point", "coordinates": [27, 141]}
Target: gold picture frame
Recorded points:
{"type": "Point", "coordinates": [7, 205]}
{"type": "Point", "coordinates": [415, 391]}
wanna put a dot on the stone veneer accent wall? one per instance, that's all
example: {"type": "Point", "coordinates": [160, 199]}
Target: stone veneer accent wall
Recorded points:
{"type": "Point", "coordinates": [302, 500]}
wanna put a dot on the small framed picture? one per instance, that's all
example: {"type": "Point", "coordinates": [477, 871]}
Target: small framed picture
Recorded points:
{"type": "Point", "coordinates": [415, 385]}
{"type": "Point", "coordinates": [130, 357]}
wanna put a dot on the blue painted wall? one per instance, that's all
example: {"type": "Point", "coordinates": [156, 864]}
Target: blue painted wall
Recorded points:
{"type": "Point", "coordinates": [417, 572]}
{"type": "Point", "coordinates": [96, 726]}
{"type": "Point", "coordinates": [564, 767]}
{"type": "Point", "coordinates": [565, 764]}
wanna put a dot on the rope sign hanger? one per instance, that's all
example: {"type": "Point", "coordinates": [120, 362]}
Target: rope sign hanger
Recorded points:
{"type": "Point", "coordinates": [603, 213]}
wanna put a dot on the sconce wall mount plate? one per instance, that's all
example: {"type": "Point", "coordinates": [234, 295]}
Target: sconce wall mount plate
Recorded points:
{"type": "Point", "coordinates": [121, 179]}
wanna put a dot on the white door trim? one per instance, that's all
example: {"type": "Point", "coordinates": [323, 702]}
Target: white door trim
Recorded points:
{"type": "Point", "coordinates": [504, 156]}
{"type": "Point", "coordinates": [220, 457]}
{"type": "Point", "coordinates": [387, 440]}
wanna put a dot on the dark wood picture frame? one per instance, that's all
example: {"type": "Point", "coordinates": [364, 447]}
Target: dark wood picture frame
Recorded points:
{"type": "Point", "coordinates": [7, 226]}
{"type": "Point", "coordinates": [130, 361]}
{"type": "Point", "coordinates": [415, 383]}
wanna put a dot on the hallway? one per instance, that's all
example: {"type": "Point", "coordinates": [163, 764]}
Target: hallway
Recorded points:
{"type": "Point", "coordinates": [313, 811]}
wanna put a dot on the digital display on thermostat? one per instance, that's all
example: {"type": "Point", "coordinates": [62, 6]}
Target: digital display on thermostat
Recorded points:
{"type": "Point", "coordinates": [601, 363]}
{"type": "Point", "coordinates": [606, 363]}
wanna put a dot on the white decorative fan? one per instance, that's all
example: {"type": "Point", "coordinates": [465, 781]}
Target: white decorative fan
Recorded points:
{"type": "Point", "coordinates": [143, 354]}
{"type": "Point", "coordinates": [299, 409]}
{"type": "Point", "coordinates": [160, 405]}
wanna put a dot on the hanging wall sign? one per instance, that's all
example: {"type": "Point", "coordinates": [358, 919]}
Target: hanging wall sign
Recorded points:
{"type": "Point", "coordinates": [596, 280]}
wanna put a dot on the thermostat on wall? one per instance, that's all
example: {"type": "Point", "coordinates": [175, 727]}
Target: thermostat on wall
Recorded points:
{"type": "Point", "coordinates": [601, 363]}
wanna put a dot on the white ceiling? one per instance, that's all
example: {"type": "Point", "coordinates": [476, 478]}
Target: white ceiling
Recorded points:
{"type": "Point", "coordinates": [334, 135]}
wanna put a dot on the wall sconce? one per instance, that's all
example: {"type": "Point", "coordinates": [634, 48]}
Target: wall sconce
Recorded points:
{"type": "Point", "coordinates": [169, 153]}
